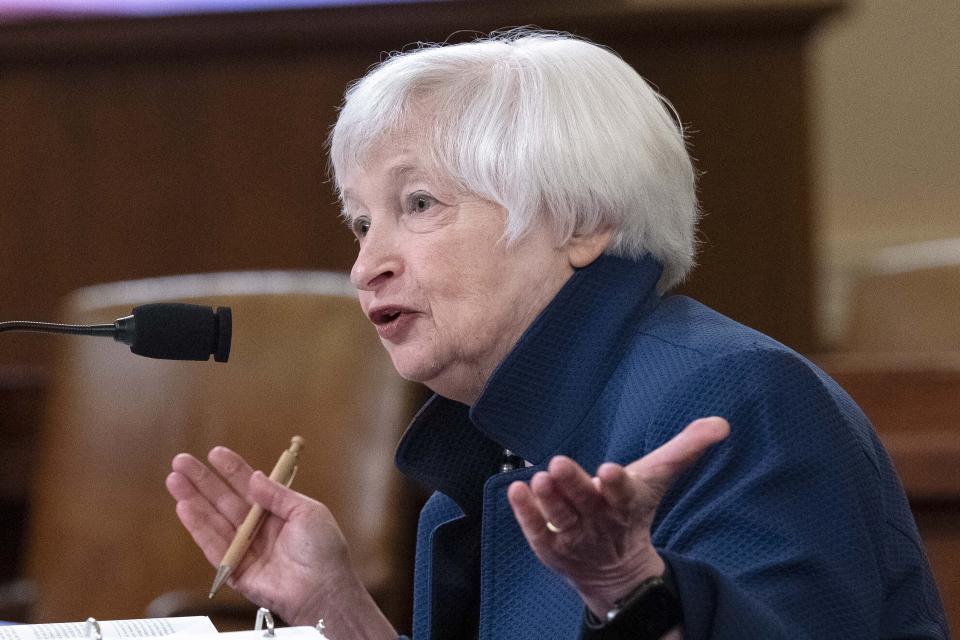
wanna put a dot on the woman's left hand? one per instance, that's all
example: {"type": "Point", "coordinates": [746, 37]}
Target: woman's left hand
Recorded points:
{"type": "Point", "coordinates": [595, 532]}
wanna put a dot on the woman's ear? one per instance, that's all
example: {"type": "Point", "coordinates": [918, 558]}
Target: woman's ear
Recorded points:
{"type": "Point", "coordinates": [582, 249]}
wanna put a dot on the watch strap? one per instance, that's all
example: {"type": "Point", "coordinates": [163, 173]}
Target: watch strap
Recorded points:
{"type": "Point", "coordinates": [646, 613]}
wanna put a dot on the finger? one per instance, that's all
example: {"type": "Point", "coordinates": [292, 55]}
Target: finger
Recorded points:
{"type": "Point", "coordinates": [554, 505]}
{"type": "Point", "coordinates": [180, 487]}
{"type": "Point", "coordinates": [209, 529]}
{"type": "Point", "coordinates": [212, 487]}
{"type": "Point", "coordinates": [237, 472]}
{"type": "Point", "coordinates": [616, 488]}
{"type": "Point", "coordinates": [659, 467]}
{"type": "Point", "coordinates": [574, 483]}
{"type": "Point", "coordinates": [528, 515]}
{"type": "Point", "coordinates": [279, 500]}
{"type": "Point", "coordinates": [232, 467]}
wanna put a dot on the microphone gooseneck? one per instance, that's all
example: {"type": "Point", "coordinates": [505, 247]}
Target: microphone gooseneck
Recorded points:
{"type": "Point", "coordinates": [54, 327]}
{"type": "Point", "coordinates": [170, 331]}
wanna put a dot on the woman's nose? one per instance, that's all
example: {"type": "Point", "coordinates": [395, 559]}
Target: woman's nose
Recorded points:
{"type": "Point", "coordinates": [378, 260]}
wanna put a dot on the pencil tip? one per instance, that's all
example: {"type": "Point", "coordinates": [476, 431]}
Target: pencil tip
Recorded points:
{"type": "Point", "coordinates": [223, 572]}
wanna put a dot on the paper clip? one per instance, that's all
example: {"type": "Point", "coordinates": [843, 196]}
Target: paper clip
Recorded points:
{"type": "Point", "coordinates": [263, 614]}
{"type": "Point", "coordinates": [91, 629]}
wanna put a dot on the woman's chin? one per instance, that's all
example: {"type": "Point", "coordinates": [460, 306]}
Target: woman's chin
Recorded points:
{"type": "Point", "coordinates": [441, 380]}
{"type": "Point", "coordinates": [414, 366]}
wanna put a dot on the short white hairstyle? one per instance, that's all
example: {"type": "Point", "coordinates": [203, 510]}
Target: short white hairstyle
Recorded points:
{"type": "Point", "coordinates": [550, 126]}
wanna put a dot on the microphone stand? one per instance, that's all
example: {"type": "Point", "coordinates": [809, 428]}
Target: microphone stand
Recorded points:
{"type": "Point", "coordinates": [121, 330]}
{"type": "Point", "coordinates": [53, 327]}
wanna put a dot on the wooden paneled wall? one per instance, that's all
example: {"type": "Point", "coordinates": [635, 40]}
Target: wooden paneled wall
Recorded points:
{"type": "Point", "coordinates": [133, 148]}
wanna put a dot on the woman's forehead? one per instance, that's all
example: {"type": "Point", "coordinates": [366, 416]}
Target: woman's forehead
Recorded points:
{"type": "Point", "coordinates": [385, 169]}
{"type": "Point", "coordinates": [394, 162]}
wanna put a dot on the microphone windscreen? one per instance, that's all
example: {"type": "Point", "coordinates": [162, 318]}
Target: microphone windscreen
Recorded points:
{"type": "Point", "coordinates": [174, 331]}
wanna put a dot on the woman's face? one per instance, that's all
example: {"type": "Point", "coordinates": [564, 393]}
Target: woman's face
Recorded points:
{"type": "Point", "coordinates": [446, 293]}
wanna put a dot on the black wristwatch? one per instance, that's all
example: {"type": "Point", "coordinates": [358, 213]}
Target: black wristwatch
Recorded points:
{"type": "Point", "coordinates": [646, 613]}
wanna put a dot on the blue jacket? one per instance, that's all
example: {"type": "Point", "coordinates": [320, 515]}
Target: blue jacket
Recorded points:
{"type": "Point", "coordinates": [796, 526]}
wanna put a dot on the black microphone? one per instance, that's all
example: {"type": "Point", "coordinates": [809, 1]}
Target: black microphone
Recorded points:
{"type": "Point", "coordinates": [169, 331]}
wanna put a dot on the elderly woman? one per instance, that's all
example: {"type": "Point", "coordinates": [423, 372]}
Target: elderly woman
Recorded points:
{"type": "Point", "coordinates": [522, 204]}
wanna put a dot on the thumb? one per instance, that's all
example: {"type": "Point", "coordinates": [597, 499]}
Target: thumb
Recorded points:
{"type": "Point", "coordinates": [659, 467]}
{"type": "Point", "coordinates": [274, 497]}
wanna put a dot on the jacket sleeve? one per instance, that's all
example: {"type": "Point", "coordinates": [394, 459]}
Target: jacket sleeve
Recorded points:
{"type": "Point", "coordinates": [795, 526]}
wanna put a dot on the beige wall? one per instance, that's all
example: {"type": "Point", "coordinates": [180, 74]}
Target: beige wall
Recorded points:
{"type": "Point", "coordinates": [886, 89]}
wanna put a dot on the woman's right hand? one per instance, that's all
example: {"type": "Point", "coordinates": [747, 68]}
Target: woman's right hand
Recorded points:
{"type": "Point", "coordinates": [298, 566]}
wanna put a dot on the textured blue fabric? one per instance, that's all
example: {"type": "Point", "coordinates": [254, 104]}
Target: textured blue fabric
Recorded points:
{"type": "Point", "coordinates": [794, 527]}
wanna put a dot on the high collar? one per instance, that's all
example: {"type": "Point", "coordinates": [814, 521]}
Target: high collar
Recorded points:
{"type": "Point", "coordinates": [542, 390]}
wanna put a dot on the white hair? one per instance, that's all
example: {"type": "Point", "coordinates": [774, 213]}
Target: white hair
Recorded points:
{"type": "Point", "coordinates": [549, 126]}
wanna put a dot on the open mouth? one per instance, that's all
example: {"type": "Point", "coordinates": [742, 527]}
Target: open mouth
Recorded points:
{"type": "Point", "coordinates": [385, 316]}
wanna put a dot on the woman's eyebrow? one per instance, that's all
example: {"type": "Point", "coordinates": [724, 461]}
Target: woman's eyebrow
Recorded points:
{"type": "Point", "coordinates": [402, 170]}
{"type": "Point", "coordinates": [405, 175]}
{"type": "Point", "coordinates": [407, 171]}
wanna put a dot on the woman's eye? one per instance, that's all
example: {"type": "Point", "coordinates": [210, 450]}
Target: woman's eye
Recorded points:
{"type": "Point", "coordinates": [360, 227]}
{"type": "Point", "coordinates": [420, 202]}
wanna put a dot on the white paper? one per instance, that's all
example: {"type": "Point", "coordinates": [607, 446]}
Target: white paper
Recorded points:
{"type": "Point", "coordinates": [169, 628]}
{"type": "Point", "coordinates": [282, 633]}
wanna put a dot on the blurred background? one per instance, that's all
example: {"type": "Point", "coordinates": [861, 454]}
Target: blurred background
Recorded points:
{"type": "Point", "coordinates": [148, 139]}
{"type": "Point", "coordinates": [885, 141]}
